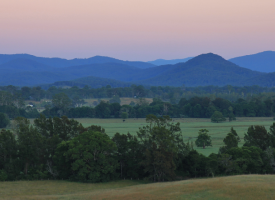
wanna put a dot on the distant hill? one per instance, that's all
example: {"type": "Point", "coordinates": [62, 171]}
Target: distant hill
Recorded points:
{"type": "Point", "coordinates": [159, 62]}
{"type": "Point", "coordinates": [146, 73]}
{"type": "Point", "coordinates": [205, 69]}
{"type": "Point", "coordinates": [105, 70]}
{"type": "Point", "coordinates": [23, 64]}
{"type": "Point", "coordinates": [29, 78]}
{"type": "Point", "coordinates": [61, 63]}
{"type": "Point", "coordinates": [263, 62]}
{"type": "Point", "coordinates": [37, 77]}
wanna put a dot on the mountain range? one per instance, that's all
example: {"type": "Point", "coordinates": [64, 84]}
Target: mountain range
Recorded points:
{"type": "Point", "coordinates": [61, 63]}
{"type": "Point", "coordinates": [98, 71]}
{"type": "Point", "coordinates": [263, 62]}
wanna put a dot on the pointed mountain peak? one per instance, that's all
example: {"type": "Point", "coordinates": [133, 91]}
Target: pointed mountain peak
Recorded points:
{"type": "Point", "coordinates": [210, 55]}
{"type": "Point", "coordinates": [206, 58]}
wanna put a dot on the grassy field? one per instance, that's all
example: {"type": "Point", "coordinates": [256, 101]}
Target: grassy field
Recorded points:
{"type": "Point", "coordinates": [233, 187]}
{"type": "Point", "coordinates": [189, 126]}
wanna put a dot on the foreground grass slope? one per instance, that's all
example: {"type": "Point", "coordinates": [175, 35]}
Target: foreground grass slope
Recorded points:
{"type": "Point", "coordinates": [232, 187]}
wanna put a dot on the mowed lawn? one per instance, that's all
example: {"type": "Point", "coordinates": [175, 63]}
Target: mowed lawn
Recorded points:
{"type": "Point", "coordinates": [189, 126]}
{"type": "Point", "coordinates": [232, 187]}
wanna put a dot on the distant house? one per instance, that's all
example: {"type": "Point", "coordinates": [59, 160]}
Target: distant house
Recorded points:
{"type": "Point", "coordinates": [30, 105]}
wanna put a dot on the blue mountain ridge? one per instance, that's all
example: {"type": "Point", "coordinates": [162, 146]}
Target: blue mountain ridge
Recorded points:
{"type": "Point", "coordinates": [205, 69]}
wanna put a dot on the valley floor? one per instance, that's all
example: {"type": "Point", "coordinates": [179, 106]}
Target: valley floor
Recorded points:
{"type": "Point", "coordinates": [231, 187]}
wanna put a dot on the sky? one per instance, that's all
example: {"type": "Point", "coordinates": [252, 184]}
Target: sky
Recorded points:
{"type": "Point", "coordinates": [136, 29]}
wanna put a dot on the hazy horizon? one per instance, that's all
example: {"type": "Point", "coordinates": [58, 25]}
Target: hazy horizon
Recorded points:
{"type": "Point", "coordinates": [136, 30]}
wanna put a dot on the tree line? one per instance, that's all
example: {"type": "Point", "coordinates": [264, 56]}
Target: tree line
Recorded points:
{"type": "Point", "coordinates": [196, 107]}
{"type": "Point", "coordinates": [165, 93]}
{"type": "Point", "coordinates": [61, 148]}
{"type": "Point", "coordinates": [12, 104]}
{"type": "Point", "coordinates": [217, 109]}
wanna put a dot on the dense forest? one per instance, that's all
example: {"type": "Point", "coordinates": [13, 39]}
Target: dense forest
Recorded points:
{"type": "Point", "coordinates": [196, 107]}
{"type": "Point", "coordinates": [166, 93]}
{"type": "Point", "coordinates": [61, 148]}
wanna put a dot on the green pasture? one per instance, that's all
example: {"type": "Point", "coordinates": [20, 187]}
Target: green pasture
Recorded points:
{"type": "Point", "coordinates": [189, 126]}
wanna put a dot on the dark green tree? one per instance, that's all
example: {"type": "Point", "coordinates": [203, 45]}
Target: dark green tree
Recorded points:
{"type": "Point", "coordinates": [129, 154]}
{"type": "Point", "coordinates": [8, 153]}
{"type": "Point", "coordinates": [30, 144]}
{"type": "Point", "coordinates": [231, 117]}
{"type": "Point", "coordinates": [272, 134]}
{"type": "Point", "coordinates": [212, 164]}
{"type": "Point", "coordinates": [4, 120]}
{"type": "Point", "coordinates": [257, 136]}
{"type": "Point", "coordinates": [195, 164]}
{"type": "Point", "coordinates": [77, 101]}
{"type": "Point", "coordinates": [115, 99]}
{"type": "Point", "coordinates": [91, 156]}
{"type": "Point", "coordinates": [54, 131]}
{"type": "Point", "coordinates": [124, 115]}
{"type": "Point", "coordinates": [162, 141]}
{"type": "Point", "coordinates": [139, 91]}
{"type": "Point", "coordinates": [203, 139]}
{"type": "Point", "coordinates": [62, 102]}
{"type": "Point", "coordinates": [217, 117]}
{"type": "Point", "coordinates": [246, 159]}
{"type": "Point", "coordinates": [102, 110]}
{"type": "Point", "coordinates": [231, 140]}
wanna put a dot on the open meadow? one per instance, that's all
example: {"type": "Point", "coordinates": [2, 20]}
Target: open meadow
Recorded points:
{"type": "Point", "coordinates": [189, 126]}
{"type": "Point", "coordinates": [231, 187]}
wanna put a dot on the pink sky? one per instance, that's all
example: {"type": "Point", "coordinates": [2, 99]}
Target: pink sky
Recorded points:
{"type": "Point", "coordinates": [136, 29]}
